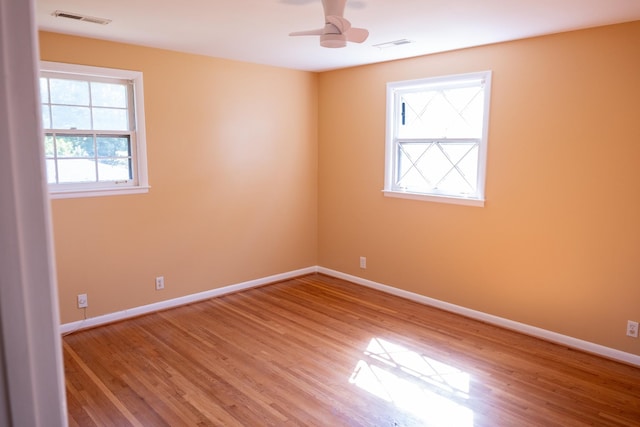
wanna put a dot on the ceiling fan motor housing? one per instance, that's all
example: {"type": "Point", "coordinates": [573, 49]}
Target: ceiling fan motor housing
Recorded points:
{"type": "Point", "coordinates": [333, 40]}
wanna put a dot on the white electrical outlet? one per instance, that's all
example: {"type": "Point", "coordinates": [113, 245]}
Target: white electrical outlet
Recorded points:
{"type": "Point", "coordinates": [159, 283]}
{"type": "Point", "coordinates": [83, 302]}
{"type": "Point", "coordinates": [363, 262]}
{"type": "Point", "coordinates": [632, 329]}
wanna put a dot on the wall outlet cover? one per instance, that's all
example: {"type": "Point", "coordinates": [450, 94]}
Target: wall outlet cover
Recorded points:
{"type": "Point", "coordinates": [83, 302]}
{"type": "Point", "coordinates": [632, 329]}
{"type": "Point", "coordinates": [363, 262]}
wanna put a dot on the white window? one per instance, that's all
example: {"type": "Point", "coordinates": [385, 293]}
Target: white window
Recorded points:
{"type": "Point", "coordinates": [94, 135]}
{"type": "Point", "coordinates": [437, 138]}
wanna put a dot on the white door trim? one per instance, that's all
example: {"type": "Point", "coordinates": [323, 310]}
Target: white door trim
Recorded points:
{"type": "Point", "coordinates": [31, 375]}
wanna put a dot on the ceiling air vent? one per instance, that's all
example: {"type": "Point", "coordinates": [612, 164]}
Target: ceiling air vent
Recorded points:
{"type": "Point", "coordinates": [392, 43]}
{"type": "Point", "coordinates": [78, 17]}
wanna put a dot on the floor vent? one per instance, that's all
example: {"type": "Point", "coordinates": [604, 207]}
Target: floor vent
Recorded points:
{"type": "Point", "coordinates": [78, 17]}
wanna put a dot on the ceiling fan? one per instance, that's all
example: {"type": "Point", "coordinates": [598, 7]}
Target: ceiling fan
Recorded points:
{"type": "Point", "coordinates": [337, 30]}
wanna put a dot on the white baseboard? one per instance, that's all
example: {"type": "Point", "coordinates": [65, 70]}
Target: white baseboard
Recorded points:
{"type": "Point", "coordinates": [187, 299]}
{"type": "Point", "coordinates": [568, 341]}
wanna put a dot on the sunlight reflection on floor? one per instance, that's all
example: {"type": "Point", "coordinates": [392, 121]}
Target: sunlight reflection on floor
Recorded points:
{"type": "Point", "coordinates": [427, 388]}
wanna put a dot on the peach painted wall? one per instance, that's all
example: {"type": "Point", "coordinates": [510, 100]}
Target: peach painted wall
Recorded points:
{"type": "Point", "coordinates": [557, 244]}
{"type": "Point", "coordinates": [232, 157]}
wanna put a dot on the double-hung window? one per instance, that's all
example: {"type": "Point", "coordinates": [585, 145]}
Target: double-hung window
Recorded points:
{"type": "Point", "coordinates": [94, 135]}
{"type": "Point", "coordinates": [437, 138]}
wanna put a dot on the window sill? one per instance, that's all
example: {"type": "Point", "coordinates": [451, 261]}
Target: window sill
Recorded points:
{"type": "Point", "coordinates": [433, 198]}
{"type": "Point", "coordinates": [94, 192]}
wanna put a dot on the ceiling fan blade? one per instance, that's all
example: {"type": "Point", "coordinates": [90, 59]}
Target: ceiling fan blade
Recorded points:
{"type": "Point", "coordinates": [317, 32]}
{"type": "Point", "coordinates": [334, 7]}
{"type": "Point", "coordinates": [357, 35]}
{"type": "Point", "coordinates": [339, 22]}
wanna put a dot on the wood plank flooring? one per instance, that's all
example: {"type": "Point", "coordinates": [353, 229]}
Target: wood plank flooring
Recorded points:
{"type": "Point", "coordinates": [320, 351]}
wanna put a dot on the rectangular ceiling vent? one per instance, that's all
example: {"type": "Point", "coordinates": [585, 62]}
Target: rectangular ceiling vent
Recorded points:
{"type": "Point", "coordinates": [78, 17]}
{"type": "Point", "coordinates": [394, 43]}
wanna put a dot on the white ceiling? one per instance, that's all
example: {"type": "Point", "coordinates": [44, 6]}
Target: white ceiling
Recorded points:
{"type": "Point", "coordinates": [257, 30]}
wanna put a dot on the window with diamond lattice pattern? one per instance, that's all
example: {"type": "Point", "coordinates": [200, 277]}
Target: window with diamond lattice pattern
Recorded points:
{"type": "Point", "coordinates": [436, 138]}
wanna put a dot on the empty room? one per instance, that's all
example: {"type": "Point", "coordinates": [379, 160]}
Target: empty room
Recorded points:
{"type": "Point", "coordinates": [330, 213]}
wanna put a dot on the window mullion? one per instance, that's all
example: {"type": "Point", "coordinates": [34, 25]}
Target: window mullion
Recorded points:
{"type": "Point", "coordinates": [49, 101]}
{"type": "Point", "coordinates": [55, 156]}
{"type": "Point", "coordinates": [131, 106]}
{"type": "Point", "coordinates": [95, 155]}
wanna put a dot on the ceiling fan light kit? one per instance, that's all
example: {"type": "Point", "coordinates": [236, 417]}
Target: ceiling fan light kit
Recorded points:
{"type": "Point", "coordinates": [337, 30]}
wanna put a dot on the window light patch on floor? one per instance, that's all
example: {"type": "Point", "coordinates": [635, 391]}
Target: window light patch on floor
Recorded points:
{"type": "Point", "coordinates": [429, 389]}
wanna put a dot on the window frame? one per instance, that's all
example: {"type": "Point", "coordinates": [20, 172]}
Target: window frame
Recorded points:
{"type": "Point", "coordinates": [391, 142]}
{"type": "Point", "coordinates": [139, 182]}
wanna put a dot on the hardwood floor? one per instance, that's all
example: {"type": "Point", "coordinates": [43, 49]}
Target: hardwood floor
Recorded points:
{"type": "Point", "coordinates": [320, 351]}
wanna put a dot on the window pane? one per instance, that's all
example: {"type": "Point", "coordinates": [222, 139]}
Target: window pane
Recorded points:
{"type": "Point", "coordinates": [468, 104]}
{"type": "Point", "coordinates": [65, 117]}
{"type": "Point", "coordinates": [414, 106]}
{"type": "Point", "coordinates": [434, 165]}
{"type": "Point", "coordinates": [48, 145]}
{"type": "Point", "coordinates": [46, 117]}
{"type": "Point", "coordinates": [448, 113]}
{"type": "Point", "coordinates": [44, 90]}
{"type": "Point", "coordinates": [423, 115]}
{"type": "Point", "coordinates": [51, 171]}
{"type": "Point", "coordinates": [110, 119]}
{"type": "Point", "coordinates": [75, 146]}
{"type": "Point", "coordinates": [449, 167]}
{"type": "Point", "coordinates": [411, 179]}
{"type": "Point", "coordinates": [453, 183]}
{"type": "Point", "coordinates": [69, 92]}
{"type": "Point", "coordinates": [462, 177]}
{"type": "Point", "coordinates": [113, 146]}
{"type": "Point", "coordinates": [76, 170]}
{"type": "Point", "coordinates": [409, 174]}
{"type": "Point", "coordinates": [469, 167]}
{"type": "Point", "coordinates": [108, 95]}
{"type": "Point", "coordinates": [114, 170]}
